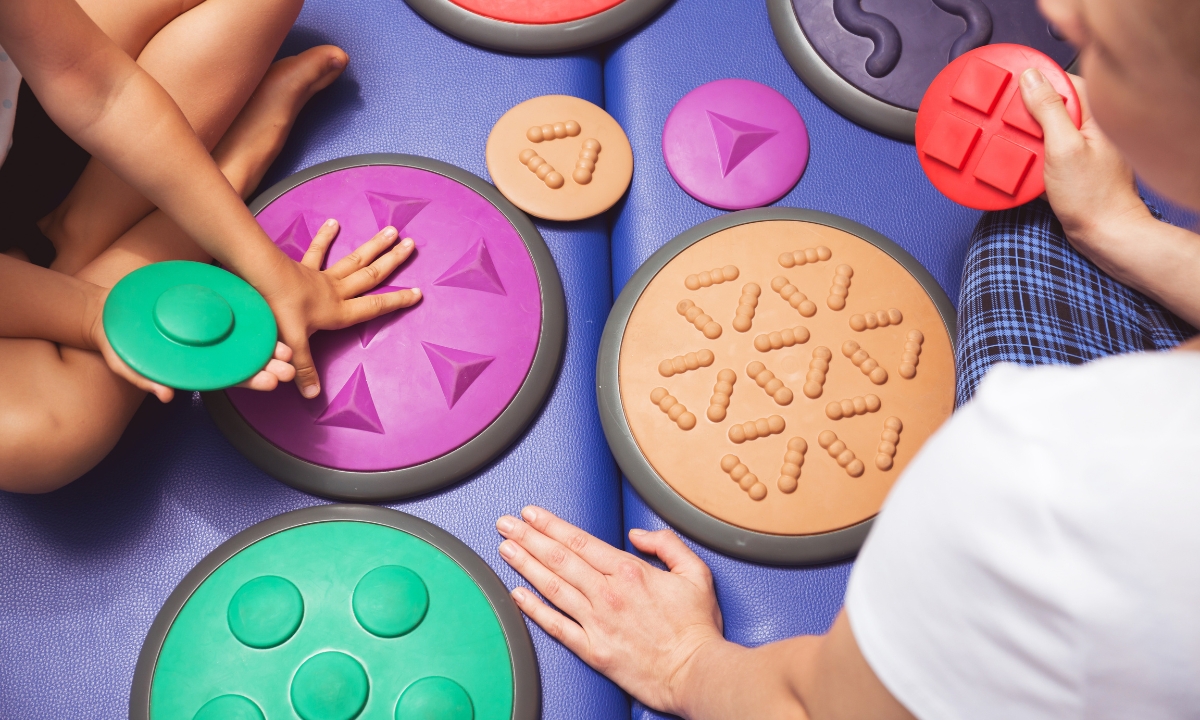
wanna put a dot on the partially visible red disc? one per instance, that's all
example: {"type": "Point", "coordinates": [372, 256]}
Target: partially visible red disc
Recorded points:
{"type": "Point", "coordinates": [977, 143]}
{"type": "Point", "coordinates": [537, 12]}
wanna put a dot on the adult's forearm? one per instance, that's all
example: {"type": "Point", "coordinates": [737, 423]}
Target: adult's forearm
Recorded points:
{"type": "Point", "coordinates": [726, 681]}
{"type": "Point", "coordinates": [1155, 258]}
{"type": "Point", "coordinates": [40, 303]}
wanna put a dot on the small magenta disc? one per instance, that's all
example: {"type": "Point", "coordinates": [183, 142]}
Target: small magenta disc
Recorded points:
{"type": "Point", "coordinates": [189, 325]}
{"type": "Point", "coordinates": [735, 144]}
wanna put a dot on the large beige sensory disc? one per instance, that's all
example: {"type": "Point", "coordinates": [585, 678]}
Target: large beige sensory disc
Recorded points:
{"type": "Point", "coordinates": [766, 377]}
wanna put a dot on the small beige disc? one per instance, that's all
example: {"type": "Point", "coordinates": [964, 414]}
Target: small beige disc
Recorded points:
{"type": "Point", "coordinates": [543, 156]}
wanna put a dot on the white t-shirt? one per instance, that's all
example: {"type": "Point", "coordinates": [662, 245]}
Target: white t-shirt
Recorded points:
{"type": "Point", "coordinates": [1040, 557]}
{"type": "Point", "coordinates": [10, 83]}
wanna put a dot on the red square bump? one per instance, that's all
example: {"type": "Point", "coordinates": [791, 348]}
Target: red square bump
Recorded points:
{"type": "Point", "coordinates": [951, 140]}
{"type": "Point", "coordinates": [1004, 165]}
{"type": "Point", "coordinates": [980, 84]}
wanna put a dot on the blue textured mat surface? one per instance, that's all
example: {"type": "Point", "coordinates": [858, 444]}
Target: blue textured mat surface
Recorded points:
{"type": "Point", "coordinates": [851, 172]}
{"type": "Point", "coordinates": [84, 570]}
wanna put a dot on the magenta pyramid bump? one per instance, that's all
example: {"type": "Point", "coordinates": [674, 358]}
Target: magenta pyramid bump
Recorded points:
{"type": "Point", "coordinates": [736, 139]}
{"type": "Point", "coordinates": [474, 271]}
{"type": "Point", "coordinates": [395, 210]}
{"type": "Point", "coordinates": [295, 240]}
{"type": "Point", "coordinates": [456, 369]}
{"type": "Point", "coordinates": [353, 407]}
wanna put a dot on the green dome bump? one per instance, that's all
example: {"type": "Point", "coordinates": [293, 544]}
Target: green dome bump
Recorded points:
{"type": "Point", "coordinates": [390, 601]}
{"type": "Point", "coordinates": [193, 315]}
{"type": "Point", "coordinates": [330, 686]}
{"type": "Point", "coordinates": [229, 707]}
{"type": "Point", "coordinates": [435, 698]}
{"type": "Point", "coordinates": [265, 612]}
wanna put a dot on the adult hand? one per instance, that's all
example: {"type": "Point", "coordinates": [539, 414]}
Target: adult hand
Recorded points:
{"type": "Point", "coordinates": [1089, 185]}
{"type": "Point", "coordinates": [306, 299]}
{"type": "Point", "coordinates": [638, 625]}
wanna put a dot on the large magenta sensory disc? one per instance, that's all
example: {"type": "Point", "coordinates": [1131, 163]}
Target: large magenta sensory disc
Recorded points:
{"type": "Point", "coordinates": [422, 397]}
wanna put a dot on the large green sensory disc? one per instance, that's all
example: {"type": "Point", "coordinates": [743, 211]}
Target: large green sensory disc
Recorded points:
{"type": "Point", "coordinates": [189, 325]}
{"type": "Point", "coordinates": [339, 612]}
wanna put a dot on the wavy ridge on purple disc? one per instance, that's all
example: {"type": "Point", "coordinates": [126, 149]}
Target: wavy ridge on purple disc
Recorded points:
{"type": "Point", "coordinates": [876, 28]}
{"type": "Point", "coordinates": [979, 25]}
{"type": "Point", "coordinates": [384, 404]}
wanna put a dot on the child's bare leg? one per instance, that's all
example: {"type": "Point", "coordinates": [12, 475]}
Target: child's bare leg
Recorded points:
{"type": "Point", "coordinates": [209, 56]}
{"type": "Point", "coordinates": [61, 409]}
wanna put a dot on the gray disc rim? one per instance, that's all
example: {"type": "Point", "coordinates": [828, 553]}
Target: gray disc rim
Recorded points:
{"type": "Point", "coordinates": [834, 90]}
{"type": "Point", "coordinates": [471, 456]}
{"type": "Point", "coordinates": [527, 684]}
{"type": "Point", "coordinates": [536, 39]}
{"type": "Point", "coordinates": [671, 506]}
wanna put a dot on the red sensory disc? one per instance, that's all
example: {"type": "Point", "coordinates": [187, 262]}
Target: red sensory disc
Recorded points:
{"type": "Point", "coordinates": [977, 143]}
{"type": "Point", "coordinates": [536, 12]}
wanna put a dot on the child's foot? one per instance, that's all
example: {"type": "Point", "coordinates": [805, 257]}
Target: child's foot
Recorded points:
{"type": "Point", "coordinates": [259, 131]}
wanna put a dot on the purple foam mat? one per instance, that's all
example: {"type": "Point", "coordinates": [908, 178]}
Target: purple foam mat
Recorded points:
{"type": "Point", "coordinates": [892, 49]}
{"type": "Point", "coordinates": [413, 385]}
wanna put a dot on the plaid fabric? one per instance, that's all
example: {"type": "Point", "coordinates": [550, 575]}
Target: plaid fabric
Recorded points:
{"type": "Point", "coordinates": [1029, 298]}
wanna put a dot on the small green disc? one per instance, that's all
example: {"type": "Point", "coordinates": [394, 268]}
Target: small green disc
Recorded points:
{"type": "Point", "coordinates": [229, 707]}
{"type": "Point", "coordinates": [330, 686]}
{"type": "Point", "coordinates": [189, 325]}
{"type": "Point", "coordinates": [265, 612]}
{"type": "Point", "coordinates": [390, 601]}
{"type": "Point", "coordinates": [435, 698]}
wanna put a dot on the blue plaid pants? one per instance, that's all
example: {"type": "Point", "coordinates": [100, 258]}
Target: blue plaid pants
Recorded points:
{"type": "Point", "coordinates": [1029, 298]}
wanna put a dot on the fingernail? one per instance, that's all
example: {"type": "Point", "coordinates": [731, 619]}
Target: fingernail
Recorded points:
{"type": "Point", "coordinates": [1032, 78]}
{"type": "Point", "coordinates": [312, 391]}
{"type": "Point", "coordinates": [520, 595]}
{"type": "Point", "coordinates": [637, 532]}
{"type": "Point", "coordinates": [337, 62]}
{"type": "Point", "coordinates": [407, 243]}
{"type": "Point", "coordinates": [415, 291]}
{"type": "Point", "coordinates": [504, 525]}
{"type": "Point", "coordinates": [390, 232]}
{"type": "Point", "coordinates": [529, 514]}
{"type": "Point", "coordinates": [330, 222]}
{"type": "Point", "coordinates": [508, 548]}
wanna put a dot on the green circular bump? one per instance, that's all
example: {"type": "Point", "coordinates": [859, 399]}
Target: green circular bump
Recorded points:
{"type": "Point", "coordinates": [265, 612]}
{"type": "Point", "coordinates": [229, 707]}
{"type": "Point", "coordinates": [434, 698]}
{"type": "Point", "coordinates": [390, 601]}
{"type": "Point", "coordinates": [330, 686]}
{"type": "Point", "coordinates": [193, 315]}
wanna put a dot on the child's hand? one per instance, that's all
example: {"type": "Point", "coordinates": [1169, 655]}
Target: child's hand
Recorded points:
{"type": "Point", "coordinates": [1088, 183]}
{"type": "Point", "coordinates": [640, 626]}
{"type": "Point", "coordinates": [307, 299]}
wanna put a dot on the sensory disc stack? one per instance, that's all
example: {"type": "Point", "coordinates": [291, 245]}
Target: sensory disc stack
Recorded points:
{"type": "Point", "coordinates": [335, 613]}
{"type": "Point", "coordinates": [534, 26]}
{"type": "Point", "coordinates": [765, 377]}
{"type": "Point", "coordinates": [873, 62]}
{"type": "Point", "coordinates": [419, 398]}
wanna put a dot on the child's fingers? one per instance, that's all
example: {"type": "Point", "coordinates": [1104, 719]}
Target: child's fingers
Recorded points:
{"type": "Point", "coordinates": [126, 373]}
{"type": "Point", "coordinates": [283, 353]}
{"type": "Point", "coordinates": [281, 370]}
{"type": "Point", "coordinates": [262, 381]}
{"type": "Point", "coordinates": [1046, 106]}
{"type": "Point", "coordinates": [364, 254]}
{"type": "Point", "coordinates": [366, 278]}
{"type": "Point", "coordinates": [361, 309]}
{"type": "Point", "coordinates": [554, 623]}
{"type": "Point", "coordinates": [306, 371]}
{"type": "Point", "coordinates": [315, 255]}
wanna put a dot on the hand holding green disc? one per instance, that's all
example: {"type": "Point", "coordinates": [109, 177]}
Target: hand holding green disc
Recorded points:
{"type": "Point", "coordinates": [189, 325]}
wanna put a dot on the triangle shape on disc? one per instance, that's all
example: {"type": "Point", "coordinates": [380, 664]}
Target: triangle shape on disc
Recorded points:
{"type": "Point", "coordinates": [456, 370]}
{"type": "Point", "coordinates": [353, 407]}
{"type": "Point", "coordinates": [474, 271]}
{"type": "Point", "coordinates": [295, 240]}
{"type": "Point", "coordinates": [736, 139]}
{"type": "Point", "coordinates": [395, 210]}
